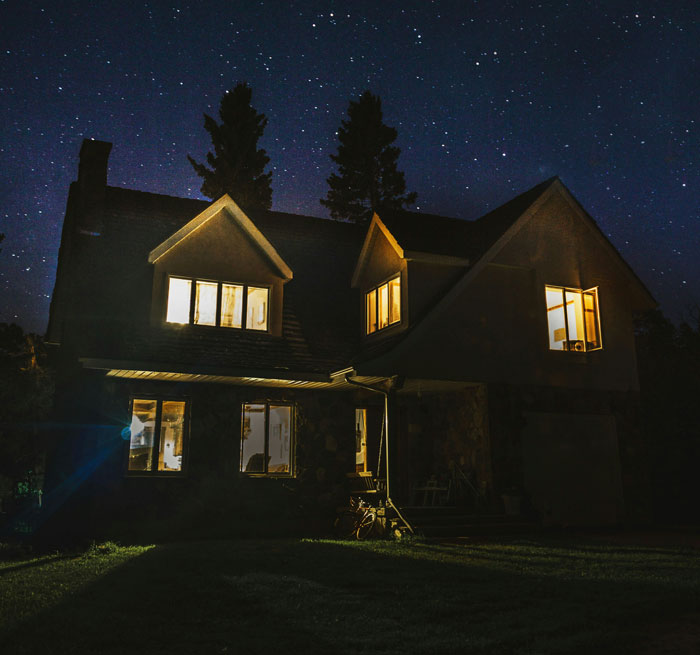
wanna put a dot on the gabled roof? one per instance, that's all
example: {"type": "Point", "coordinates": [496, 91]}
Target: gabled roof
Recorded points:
{"type": "Point", "coordinates": [440, 239]}
{"type": "Point", "coordinates": [226, 205]}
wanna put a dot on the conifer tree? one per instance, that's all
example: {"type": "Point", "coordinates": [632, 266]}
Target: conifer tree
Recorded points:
{"type": "Point", "coordinates": [367, 179]}
{"type": "Point", "coordinates": [237, 164]}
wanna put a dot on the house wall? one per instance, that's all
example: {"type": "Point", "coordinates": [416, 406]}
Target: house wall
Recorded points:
{"type": "Point", "coordinates": [222, 251]}
{"type": "Point", "coordinates": [426, 284]}
{"type": "Point", "coordinates": [212, 495]}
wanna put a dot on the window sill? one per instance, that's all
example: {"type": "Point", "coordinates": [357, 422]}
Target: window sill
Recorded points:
{"type": "Point", "coordinates": [180, 327]}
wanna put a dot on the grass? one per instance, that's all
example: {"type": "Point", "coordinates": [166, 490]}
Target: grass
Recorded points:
{"type": "Point", "coordinates": [320, 596]}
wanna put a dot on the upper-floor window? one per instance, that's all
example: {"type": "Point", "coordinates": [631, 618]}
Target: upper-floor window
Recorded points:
{"type": "Point", "coordinates": [267, 439]}
{"type": "Point", "coordinates": [573, 319]}
{"type": "Point", "coordinates": [222, 304]}
{"type": "Point", "coordinates": [157, 436]}
{"type": "Point", "coordinates": [383, 305]}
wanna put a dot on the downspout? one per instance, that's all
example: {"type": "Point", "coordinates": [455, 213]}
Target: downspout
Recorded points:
{"type": "Point", "coordinates": [389, 501]}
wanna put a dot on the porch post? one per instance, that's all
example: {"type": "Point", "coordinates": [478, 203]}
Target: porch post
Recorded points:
{"type": "Point", "coordinates": [391, 439]}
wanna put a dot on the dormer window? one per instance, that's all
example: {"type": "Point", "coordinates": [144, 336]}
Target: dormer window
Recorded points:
{"type": "Point", "coordinates": [383, 305]}
{"type": "Point", "coordinates": [218, 304]}
{"type": "Point", "coordinates": [573, 319]}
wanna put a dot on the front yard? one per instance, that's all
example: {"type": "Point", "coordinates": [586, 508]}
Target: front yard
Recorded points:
{"type": "Point", "coordinates": [534, 596]}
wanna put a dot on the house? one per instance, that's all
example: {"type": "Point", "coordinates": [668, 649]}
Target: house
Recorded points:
{"type": "Point", "coordinates": [199, 341]}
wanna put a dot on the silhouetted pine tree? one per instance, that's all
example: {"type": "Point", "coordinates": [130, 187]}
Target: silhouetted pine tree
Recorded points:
{"type": "Point", "coordinates": [367, 178]}
{"type": "Point", "coordinates": [237, 164]}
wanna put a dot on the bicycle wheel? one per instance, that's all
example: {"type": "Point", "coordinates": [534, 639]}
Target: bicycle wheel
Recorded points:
{"type": "Point", "coordinates": [346, 524]}
{"type": "Point", "coordinates": [366, 525]}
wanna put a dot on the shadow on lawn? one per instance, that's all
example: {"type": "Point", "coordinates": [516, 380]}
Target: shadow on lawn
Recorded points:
{"type": "Point", "coordinates": [319, 597]}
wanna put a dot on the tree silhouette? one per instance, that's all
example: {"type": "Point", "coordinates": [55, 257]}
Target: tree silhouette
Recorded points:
{"type": "Point", "coordinates": [237, 164]}
{"type": "Point", "coordinates": [367, 179]}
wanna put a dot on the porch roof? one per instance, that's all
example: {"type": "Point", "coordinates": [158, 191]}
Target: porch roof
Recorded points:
{"type": "Point", "coordinates": [259, 378]}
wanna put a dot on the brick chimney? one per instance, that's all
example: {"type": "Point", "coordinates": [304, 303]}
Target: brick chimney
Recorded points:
{"type": "Point", "coordinates": [92, 184]}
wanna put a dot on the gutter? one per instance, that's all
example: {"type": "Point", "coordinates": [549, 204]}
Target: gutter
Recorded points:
{"type": "Point", "coordinates": [389, 501]}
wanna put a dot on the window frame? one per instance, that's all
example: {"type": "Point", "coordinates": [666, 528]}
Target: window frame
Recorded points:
{"type": "Point", "coordinates": [375, 290]}
{"type": "Point", "coordinates": [564, 290]}
{"type": "Point", "coordinates": [219, 286]}
{"type": "Point", "coordinates": [292, 439]}
{"type": "Point", "coordinates": [154, 471]}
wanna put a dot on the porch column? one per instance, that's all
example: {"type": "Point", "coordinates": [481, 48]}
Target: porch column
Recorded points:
{"type": "Point", "coordinates": [391, 427]}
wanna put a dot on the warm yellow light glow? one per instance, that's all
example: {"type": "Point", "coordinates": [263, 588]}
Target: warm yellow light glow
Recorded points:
{"type": "Point", "coordinates": [572, 318]}
{"type": "Point", "coordinates": [256, 316]}
{"type": "Point", "coordinates": [231, 305]}
{"type": "Point", "coordinates": [394, 300]}
{"type": "Point", "coordinates": [205, 303]}
{"type": "Point", "coordinates": [179, 292]}
{"type": "Point", "coordinates": [172, 430]}
{"type": "Point", "coordinates": [372, 311]}
{"type": "Point", "coordinates": [360, 440]}
{"type": "Point", "coordinates": [143, 422]}
{"type": "Point", "coordinates": [383, 305]}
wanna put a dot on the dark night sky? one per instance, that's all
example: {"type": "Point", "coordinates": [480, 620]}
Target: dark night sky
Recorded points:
{"type": "Point", "coordinates": [488, 97]}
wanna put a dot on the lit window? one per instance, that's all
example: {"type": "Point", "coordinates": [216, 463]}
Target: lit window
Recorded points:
{"type": "Point", "coordinates": [360, 441]}
{"type": "Point", "coordinates": [179, 298]}
{"type": "Point", "coordinates": [383, 305]}
{"type": "Point", "coordinates": [205, 303]}
{"type": "Point", "coordinates": [266, 439]}
{"type": "Point", "coordinates": [157, 436]}
{"type": "Point", "coordinates": [232, 305]}
{"type": "Point", "coordinates": [256, 317]}
{"type": "Point", "coordinates": [217, 304]}
{"type": "Point", "coordinates": [573, 319]}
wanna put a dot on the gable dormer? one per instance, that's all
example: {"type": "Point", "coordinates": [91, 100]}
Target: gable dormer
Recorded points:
{"type": "Point", "coordinates": [219, 272]}
{"type": "Point", "coordinates": [404, 267]}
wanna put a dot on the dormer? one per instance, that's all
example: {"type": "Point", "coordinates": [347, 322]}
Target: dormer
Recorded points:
{"type": "Point", "coordinates": [219, 272]}
{"type": "Point", "coordinates": [398, 280]}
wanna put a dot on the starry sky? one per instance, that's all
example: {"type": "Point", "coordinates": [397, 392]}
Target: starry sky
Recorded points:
{"type": "Point", "coordinates": [489, 98]}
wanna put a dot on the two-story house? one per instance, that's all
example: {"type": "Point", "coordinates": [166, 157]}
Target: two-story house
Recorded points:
{"type": "Point", "coordinates": [201, 340]}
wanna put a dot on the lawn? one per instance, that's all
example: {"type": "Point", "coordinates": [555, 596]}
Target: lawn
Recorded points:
{"type": "Point", "coordinates": [320, 596]}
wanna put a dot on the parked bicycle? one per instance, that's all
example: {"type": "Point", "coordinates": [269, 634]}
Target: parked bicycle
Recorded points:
{"type": "Point", "coordinates": [356, 521]}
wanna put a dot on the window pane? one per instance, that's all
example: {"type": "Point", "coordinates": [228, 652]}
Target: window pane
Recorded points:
{"type": "Point", "coordinates": [279, 439]}
{"type": "Point", "coordinates": [574, 316]}
{"type": "Point", "coordinates": [205, 303]}
{"type": "Point", "coordinates": [256, 316]}
{"type": "Point", "coordinates": [253, 439]}
{"type": "Point", "coordinates": [555, 318]}
{"type": "Point", "coordinates": [590, 302]}
{"type": "Point", "coordinates": [172, 433]}
{"type": "Point", "coordinates": [372, 311]}
{"type": "Point", "coordinates": [383, 296]}
{"type": "Point", "coordinates": [143, 426]}
{"type": "Point", "coordinates": [360, 440]}
{"type": "Point", "coordinates": [231, 305]}
{"type": "Point", "coordinates": [395, 300]}
{"type": "Point", "coordinates": [179, 292]}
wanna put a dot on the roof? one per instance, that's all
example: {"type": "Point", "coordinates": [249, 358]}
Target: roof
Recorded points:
{"type": "Point", "coordinates": [317, 335]}
{"type": "Point", "coordinates": [440, 235]}
{"type": "Point", "coordinates": [322, 312]}
{"type": "Point", "coordinates": [227, 205]}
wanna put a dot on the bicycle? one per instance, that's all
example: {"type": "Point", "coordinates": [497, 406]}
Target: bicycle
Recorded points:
{"type": "Point", "coordinates": [356, 521]}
